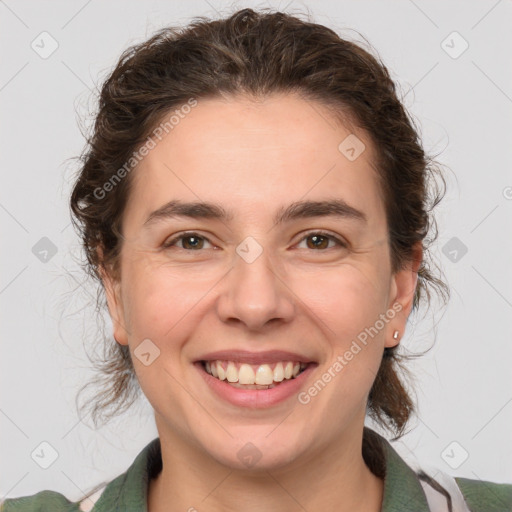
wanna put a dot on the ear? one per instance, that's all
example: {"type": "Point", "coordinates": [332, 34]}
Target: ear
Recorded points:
{"type": "Point", "coordinates": [115, 305]}
{"type": "Point", "coordinates": [403, 288]}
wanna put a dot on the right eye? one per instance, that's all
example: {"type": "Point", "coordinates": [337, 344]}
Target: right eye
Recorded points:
{"type": "Point", "coordinates": [190, 241]}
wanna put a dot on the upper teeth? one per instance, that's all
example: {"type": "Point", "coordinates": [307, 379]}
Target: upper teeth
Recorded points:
{"type": "Point", "coordinates": [244, 373]}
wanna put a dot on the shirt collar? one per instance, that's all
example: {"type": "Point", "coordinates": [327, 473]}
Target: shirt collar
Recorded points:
{"type": "Point", "coordinates": [402, 488]}
{"type": "Point", "coordinates": [129, 491]}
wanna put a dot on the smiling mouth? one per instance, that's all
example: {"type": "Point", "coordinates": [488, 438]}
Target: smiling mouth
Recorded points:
{"type": "Point", "coordinates": [253, 376]}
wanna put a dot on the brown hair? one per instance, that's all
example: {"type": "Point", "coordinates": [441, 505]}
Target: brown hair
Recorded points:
{"type": "Point", "coordinates": [256, 54]}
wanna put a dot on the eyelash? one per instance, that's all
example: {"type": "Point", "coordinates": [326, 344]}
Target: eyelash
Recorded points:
{"type": "Point", "coordinates": [170, 243]}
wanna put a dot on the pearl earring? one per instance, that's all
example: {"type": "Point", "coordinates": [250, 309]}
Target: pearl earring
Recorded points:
{"type": "Point", "coordinates": [395, 335]}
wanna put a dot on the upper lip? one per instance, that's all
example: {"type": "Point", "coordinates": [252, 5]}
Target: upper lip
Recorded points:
{"type": "Point", "coordinates": [244, 356]}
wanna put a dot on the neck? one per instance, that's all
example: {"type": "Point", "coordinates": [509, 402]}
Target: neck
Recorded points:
{"type": "Point", "coordinates": [336, 479]}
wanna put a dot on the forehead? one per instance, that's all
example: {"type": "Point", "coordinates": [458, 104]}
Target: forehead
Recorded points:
{"type": "Point", "coordinates": [254, 154]}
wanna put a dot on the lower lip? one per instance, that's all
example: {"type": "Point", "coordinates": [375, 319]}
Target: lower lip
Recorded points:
{"type": "Point", "coordinates": [256, 398]}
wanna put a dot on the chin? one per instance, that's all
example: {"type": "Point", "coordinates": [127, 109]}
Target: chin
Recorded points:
{"type": "Point", "coordinates": [256, 449]}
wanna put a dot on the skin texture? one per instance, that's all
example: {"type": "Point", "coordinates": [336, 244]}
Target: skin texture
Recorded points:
{"type": "Point", "coordinates": [253, 158]}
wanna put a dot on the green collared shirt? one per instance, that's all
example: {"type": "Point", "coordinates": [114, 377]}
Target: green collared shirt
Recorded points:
{"type": "Point", "coordinates": [403, 490]}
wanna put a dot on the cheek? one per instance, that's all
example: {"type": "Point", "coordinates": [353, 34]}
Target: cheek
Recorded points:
{"type": "Point", "coordinates": [347, 299]}
{"type": "Point", "coordinates": [347, 304]}
{"type": "Point", "coordinates": [161, 300]}
{"type": "Point", "coordinates": [163, 305]}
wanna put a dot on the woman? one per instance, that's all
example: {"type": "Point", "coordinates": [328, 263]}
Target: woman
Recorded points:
{"type": "Point", "coordinates": [256, 203]}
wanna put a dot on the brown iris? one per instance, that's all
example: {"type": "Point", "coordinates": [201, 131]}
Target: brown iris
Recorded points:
{"type": "Point", "coordinates": [318, 241]}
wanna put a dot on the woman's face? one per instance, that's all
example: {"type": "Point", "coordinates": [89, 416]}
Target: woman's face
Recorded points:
{"type": "Point", "coordinates": [296, 275]}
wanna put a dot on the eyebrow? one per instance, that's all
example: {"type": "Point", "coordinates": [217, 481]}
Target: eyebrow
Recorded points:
{"type": "Point", "coordinates": [296, 210]}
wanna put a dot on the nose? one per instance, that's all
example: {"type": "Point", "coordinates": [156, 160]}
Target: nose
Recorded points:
{"type": "Point", "coordinates": [255, 295]}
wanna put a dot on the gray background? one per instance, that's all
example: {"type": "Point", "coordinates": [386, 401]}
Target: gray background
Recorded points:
{"type": "Point", "coordinates": [463, 104]}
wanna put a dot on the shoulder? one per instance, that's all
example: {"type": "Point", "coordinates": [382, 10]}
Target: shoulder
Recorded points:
{"type": "Point", "coordinates": [41, 502]}
{"type": "Point", "coordinates": [413, 486]}
{"type": "Point", "coordinates": [484, 496]}
{"type": "Point", "coordinates": [464, 494]}
{"type": "Point", "coordinates": [52, 501]}
{"type": "Point", "coordinates": [126, 492]}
